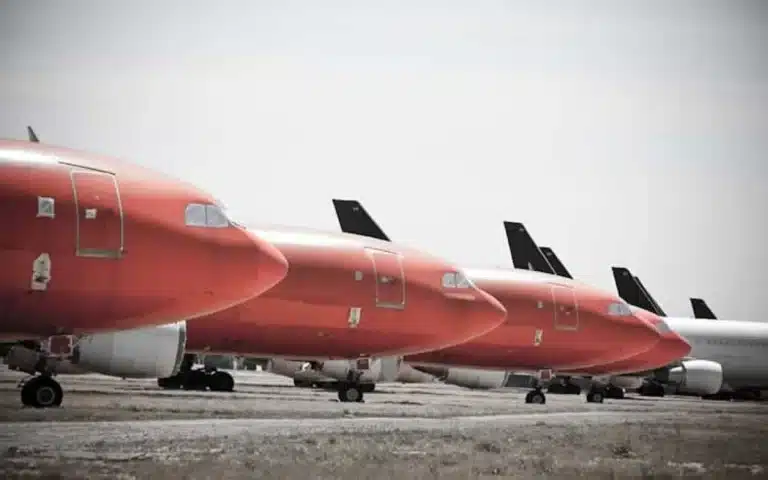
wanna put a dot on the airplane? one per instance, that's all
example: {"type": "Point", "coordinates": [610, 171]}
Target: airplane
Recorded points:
{"type": "Point", "coordinates": [730, 356]}
{"type": "Point", "coordinates": [344, 297]}
{"type": "Point", "coordinates": [725, 361]}
{"type": "Point", "coordinates": [553, 324]}
{"type": "Point", "coordinates": [117, 256]}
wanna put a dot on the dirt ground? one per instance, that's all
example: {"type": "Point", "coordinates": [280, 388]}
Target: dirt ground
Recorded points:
{"type": "Point", "coordinates": [110, 428]}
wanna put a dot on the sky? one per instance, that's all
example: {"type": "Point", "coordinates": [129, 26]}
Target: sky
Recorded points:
{"type": "Point", "coordinates": [621, 133]}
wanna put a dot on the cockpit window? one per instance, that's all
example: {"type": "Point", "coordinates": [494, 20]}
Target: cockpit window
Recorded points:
{"type": "Point", "coordinates": [455, 280]}
{"type": "Point", "coordinates": [194, 216]}
{"type": "Point", "coordinates": [619, 309]}
{"type": "Point", "coordinates": [214, 217]}
{"type": "Point", "coordinates": [210, 216]}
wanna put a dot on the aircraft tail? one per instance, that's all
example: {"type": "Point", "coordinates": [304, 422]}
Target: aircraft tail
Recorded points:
{"type": "Point", "coordinates": [32, 136]}
{"type": "Point", "coordinates": [701, 309]}
{"type": "Point", "coordinates": [353, 218]}
{"type": "Point", "coordinates": [630, 289]}
{"type": "Point", "coordinates": [656, 307]}
{"type": "Point", "coordinates": [525, 253]}
{"type": "Point", "coordinates": [555, 262]}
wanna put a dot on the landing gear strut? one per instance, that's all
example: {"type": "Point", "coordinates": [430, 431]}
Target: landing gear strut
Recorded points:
{"type": "Point", "coordinates": [204, 378]}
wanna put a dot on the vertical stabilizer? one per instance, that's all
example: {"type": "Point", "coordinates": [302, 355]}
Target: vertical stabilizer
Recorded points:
{"type": "Point", "coordinates": [701, 309]}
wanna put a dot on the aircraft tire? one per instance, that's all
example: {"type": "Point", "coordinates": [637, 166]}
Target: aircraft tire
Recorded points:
{"type": "Point", "coordinates": [221, 382]}
{"type": "Point", "coordinates": [42, 392]}
{"type": "Point", "coordinates": [350, 393]}
{"type": "Point", "coordinates": [536, 397]}
{"type": "Point", "coordinates": [595, 396]}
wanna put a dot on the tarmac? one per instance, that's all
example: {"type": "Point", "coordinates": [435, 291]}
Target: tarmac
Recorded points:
{"type": "Point", "coordinates": [114, 428]}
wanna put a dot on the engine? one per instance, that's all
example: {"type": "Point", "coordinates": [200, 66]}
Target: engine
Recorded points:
{"type": "Point", "coordinates": [286, 368]}
{"type": "Point", "coordinates": [698, 377]}
{"type": "Point", "coordinates": [138, 353]}
{"type": "Point", "coordinates": [627, 382]}
{"type": "Point", "coordinates": [408, 374]}
{"type": "Point", "coordinates": [474, 378]}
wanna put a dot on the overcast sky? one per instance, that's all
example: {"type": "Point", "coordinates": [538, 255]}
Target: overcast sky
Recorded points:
{"type": "Point", "coordinates": [621, 133]}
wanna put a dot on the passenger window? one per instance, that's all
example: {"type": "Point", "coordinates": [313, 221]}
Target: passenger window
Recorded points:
{"type": "Point", "coordinates": [449, 280]}
{"type": "Point", "coordinates": [214, 217]}
{"type": "Point", "coordinates": [194, 216]}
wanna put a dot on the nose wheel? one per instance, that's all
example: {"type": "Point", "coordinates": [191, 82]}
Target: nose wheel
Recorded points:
{"type": "Point", "coordinates": [41, 392]}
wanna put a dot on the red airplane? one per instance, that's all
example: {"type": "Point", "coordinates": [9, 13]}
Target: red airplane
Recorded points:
{"type": "Point", "coordinates": [92, 245]}
{"type": "Point", "coordinates": [553, 323]}
{"type": "Point", "coordinates": [345, 297]}
{"type": "Point", "coordinates": [526, 254]}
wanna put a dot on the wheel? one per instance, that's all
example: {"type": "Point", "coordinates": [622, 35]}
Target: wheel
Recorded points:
{"type": "Point", "coordinates": [595, 396]}
{"type": "Point", "coordinates": [614, 392]}
{"type": "Point", "coordinates": [42, 392]}
{"type": "Point", "coordinates": [556, 388]}
{"type": "Point", "coordinates": [572, 389]}
{"type": "Point", "coordinates": [350, 393]}
{"type": "Point", "coordinates": [195, 380]}
{"type": "Point", "coordinates": [536, 397]}
{"type": "Point", "coordinates": [221, 382]}
{"type": "Point", "coordinates": [173, 382]}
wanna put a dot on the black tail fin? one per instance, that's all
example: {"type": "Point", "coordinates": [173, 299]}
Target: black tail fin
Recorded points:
{"type": "Point", "coordinates": [525, 253]}
{"type": "Point", "coordinates": [354, 219]}
{"type": "Point", "coordinates": [632, 291]}
{"type": "Point", "coordinates": [701, 309]}
{"type": "Point", "coordinates": [644, 292]}
{"type": "Point", "coordinates": [557, 265]}
{"type": "Point", "coordinates": [32, 136]}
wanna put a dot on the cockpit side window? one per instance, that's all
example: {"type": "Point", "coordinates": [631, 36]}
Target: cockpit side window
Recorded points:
{"type": "Point", "coordinates": [209, 216]}
{"type": "Point", "coordinates": [215, 218]}
{"type": "Point", "coordinates": [194, 215]}
{"type": "Point", "coordinates": [455, 280]}
{"type": "Point", "coordinates": [449, 280]}
{"type": "Point", "coordinates": [619, 309]}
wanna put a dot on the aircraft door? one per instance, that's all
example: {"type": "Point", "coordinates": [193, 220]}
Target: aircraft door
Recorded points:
{"type": "Point", "coordinates": [390, 279]}
{"type": "Point", "coordinates": [99, 226]}
{"type": "Point", "coordinates": [566, 308]}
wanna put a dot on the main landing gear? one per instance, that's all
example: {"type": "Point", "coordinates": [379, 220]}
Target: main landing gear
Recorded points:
{"type": "Point", "coordinates": [536, 396]}
{"type": "Point", "coordinates": [40, 391]}
{"type": "Point", "coordinates": [651, 389]}
{"type": "Point", "coordinates": [596, 395]}
{"type": "Point", "coordinates": [204, 378]}
{"type": "Point", "coordinates": [564, 386]}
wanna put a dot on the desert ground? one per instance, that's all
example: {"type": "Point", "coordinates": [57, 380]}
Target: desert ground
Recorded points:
{"type": "Point", "coordinates": [267, 428]}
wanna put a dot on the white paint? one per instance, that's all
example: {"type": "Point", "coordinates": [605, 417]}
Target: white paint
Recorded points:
{"type": "Point", "coordinates": [9, 155]}
{"type": "Point", "coordinates": [41, 272]}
